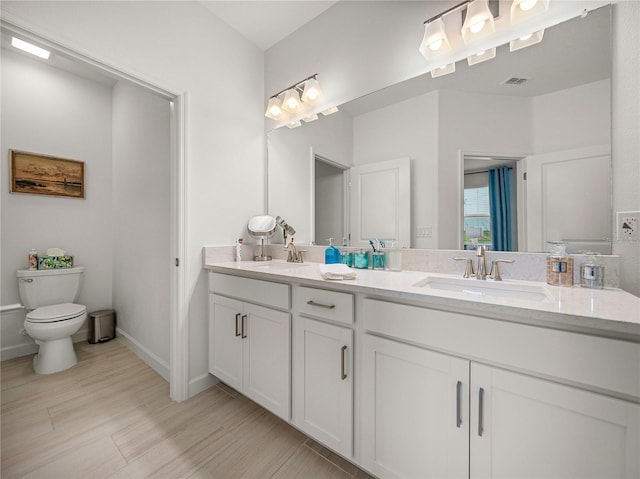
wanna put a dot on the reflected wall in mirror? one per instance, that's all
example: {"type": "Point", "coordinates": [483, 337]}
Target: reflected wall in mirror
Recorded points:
{"type": "Point", "coordinates": [549, 99]}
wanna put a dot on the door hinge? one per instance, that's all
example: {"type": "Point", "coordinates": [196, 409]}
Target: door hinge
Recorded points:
{"type": "Point", "coordinates": [177, 262]}
{"type": "Point", "coordinates": [524, 176]}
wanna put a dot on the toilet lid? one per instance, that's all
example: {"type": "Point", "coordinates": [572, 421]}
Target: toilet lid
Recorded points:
{"type": "Point", "coordinates": [56, 312]}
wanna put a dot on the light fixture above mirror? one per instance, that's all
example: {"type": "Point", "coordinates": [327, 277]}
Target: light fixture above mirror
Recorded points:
{"type": "Point", "coordinates": [297, 102]}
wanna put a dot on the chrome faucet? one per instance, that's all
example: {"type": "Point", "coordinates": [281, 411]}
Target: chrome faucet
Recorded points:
{"type": "Point", "coordinates": [482, 262]}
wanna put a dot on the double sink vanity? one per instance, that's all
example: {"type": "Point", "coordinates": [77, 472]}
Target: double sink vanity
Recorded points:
{"type": "Point", "coordinates": [420, 374]}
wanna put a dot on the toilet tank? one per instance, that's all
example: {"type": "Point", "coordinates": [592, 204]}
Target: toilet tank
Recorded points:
{"type": "Point", "coordinates": [51, 286]}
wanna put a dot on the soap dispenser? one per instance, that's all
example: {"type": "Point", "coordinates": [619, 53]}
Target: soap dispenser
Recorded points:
{"type": "Point", "coordinates": [331, 254]}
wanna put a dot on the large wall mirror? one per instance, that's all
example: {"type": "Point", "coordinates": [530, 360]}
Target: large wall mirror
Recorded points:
{"type": "Point", "coordinates": [540, 117]}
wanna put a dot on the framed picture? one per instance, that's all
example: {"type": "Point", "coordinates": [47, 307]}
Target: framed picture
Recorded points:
{"type": "Point", "coordinates": [46, 175]}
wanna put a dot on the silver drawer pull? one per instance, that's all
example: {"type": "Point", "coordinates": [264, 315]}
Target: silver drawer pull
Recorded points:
{"type": "Point", "coordinates": [320, 305]}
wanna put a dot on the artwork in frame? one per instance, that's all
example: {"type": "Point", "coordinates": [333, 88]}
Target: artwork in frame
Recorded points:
{"type": "Point", "coordinates": [46, 175]}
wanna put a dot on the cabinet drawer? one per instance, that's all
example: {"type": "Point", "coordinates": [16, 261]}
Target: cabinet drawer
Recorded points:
{"type": "Point", "coordinates": [325, 304]}
{"type": "Point", "coordinates": [253, 290]}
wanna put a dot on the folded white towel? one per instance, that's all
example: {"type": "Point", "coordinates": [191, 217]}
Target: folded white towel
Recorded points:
{"type": "Point", "coordinates": [337, 271]}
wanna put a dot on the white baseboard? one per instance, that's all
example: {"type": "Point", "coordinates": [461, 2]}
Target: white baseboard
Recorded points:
{"type": "Point", "coordinates": [17, 350]}
{"type": "Point", "coordinates": [200, 383]}
{"type": "Point", "coordinates": [153, 361]}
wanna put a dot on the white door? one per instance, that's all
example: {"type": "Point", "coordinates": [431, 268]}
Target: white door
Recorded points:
{"type": "Point", "coordinates": [225, 340]}
{"type": "Point", "coordinates": [381, 202]}
{"type": "Point", "coordinates": [415, 411]}
{"type": "Point", "coordinates": [267, 358]}
{"type": "Point", "coordinates": [569, 198]}
{"type": "Point", "coordinates": [323, 383]}
{"type": "Point", "coordinates": [527, 427]}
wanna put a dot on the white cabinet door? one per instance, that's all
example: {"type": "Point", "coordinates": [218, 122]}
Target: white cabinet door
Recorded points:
{"type": "Point", "coordinates": [528, 427]}
{"type": "Point", "coordinates": [267, 359]}
{"type": "Point", "coordinates": [225, 340]}
{"type": "Point", "coordinates": [249, 349]}
{"type": "Point", "coordinates": [414, 411]}
{"type": "Point", "coordinates": [323, 383]}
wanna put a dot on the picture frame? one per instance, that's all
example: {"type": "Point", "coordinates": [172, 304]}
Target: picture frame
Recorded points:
{"type": "Point", "coordinates": [37, 174]}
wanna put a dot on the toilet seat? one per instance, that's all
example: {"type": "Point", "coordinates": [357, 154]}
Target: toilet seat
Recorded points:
{"type": "Point", "coordinates": [56, 313]}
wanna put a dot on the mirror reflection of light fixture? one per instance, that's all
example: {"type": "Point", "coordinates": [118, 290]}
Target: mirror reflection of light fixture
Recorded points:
{"type": "Point", "coordinates": [330, 111]}
{"type": "Point", "coordinates": [310, 118]}
{"type": "Point", "coordinates": [526, 41]}
{"type": "Point", "coordinates": [478, 21]}
{"type": "Point", "coordinates": [30, 48]}
{"type": "Point", "coordinates": [482, 56]}
{"type": "Point", "coordinates": [524, 9]}
{"type": "Point", "coordinates": [435, 39]}
{"type": "Point", "coordinates": [443, 70]}
{"type": "Point", "coordinates": [294, 124]}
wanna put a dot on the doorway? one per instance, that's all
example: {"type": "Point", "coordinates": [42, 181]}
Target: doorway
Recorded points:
{"type": "Point", "coordinates": [330, 200]}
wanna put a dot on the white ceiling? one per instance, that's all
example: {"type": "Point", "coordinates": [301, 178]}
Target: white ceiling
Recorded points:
{"type": "Point", "coordinates": [267, 22]}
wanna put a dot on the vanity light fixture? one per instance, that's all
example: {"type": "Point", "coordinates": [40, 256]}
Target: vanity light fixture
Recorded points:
{"type": "Point", "coordinates": [274, 108]}
{"type": "Point", "coordinates": [482, 56]}
{"type": "Point", "coordinates": [478, 21]}
{"type": "Point", "coordinates": [435, 39]}
{"type": "Point", "coordinates": [30, 48]}
{"type": "Point", "coordinates": [524, 9]}
{"type": "Point", "coordinates": [443, 70]}
{"type": "Point", "coordinates": [287, 102]}
{"type": "Point", "coordinates": [526, 41]}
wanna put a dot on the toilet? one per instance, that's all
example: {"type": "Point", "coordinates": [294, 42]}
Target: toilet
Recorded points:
{"type": "Point", "coordinates": [52, 316]}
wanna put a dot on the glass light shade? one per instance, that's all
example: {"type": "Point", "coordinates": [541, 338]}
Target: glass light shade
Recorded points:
{"type": "Point", "coordinates": [524, 9]}
{"type": "Point", "coordinates": [330, 110]}
{"type": "Point", "coordinates": [444, 70]}
{"type": "Point", "coordinates": [482, 56]}
{"type": "Point", "coordinates": [435, 39]}
{"type": "Point", "coordinates": [527, 41]}
{"type": "Point", "coordinates": [291, 101]}
{"type": "Point", "coordinates": [310, 118]}
{"type": "Point", "coordinates": [312, 91]}
{"type": "Point", "coordinates": [294, 124]}
{"type": "Point", "coordinates": [274, 108]}
{"type": "Point", "coordinates": [30, 48]}
{"type": "Point", "coordinates": [478, 22]}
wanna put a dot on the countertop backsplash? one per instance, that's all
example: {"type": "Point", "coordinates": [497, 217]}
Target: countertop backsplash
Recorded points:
{"type": "Point", "coordinates": [527, 266]}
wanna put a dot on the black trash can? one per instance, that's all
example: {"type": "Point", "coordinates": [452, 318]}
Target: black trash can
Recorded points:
{"type": "Point", "coordinates": [102, 326]}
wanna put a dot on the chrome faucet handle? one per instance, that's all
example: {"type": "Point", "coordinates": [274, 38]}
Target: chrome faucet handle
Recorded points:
{"type": "Point", "coordinates": [495, 268]}
{"type": "Point", "coordinates": [468, 270]}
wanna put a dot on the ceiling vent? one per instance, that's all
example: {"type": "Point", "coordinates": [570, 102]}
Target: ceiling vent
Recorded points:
{"type": "Point", "coordinates": [515, 81]}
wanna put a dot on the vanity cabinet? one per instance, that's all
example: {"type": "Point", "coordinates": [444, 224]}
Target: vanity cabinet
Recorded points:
{"type": "Point", "coordinates": [249, 345]}
{"type": "Point", "coordinates": [322, 382]}
{"type": "Point", "coordinates": [435, 414]}
{"type": "Point", "coordinates": [415, 411]}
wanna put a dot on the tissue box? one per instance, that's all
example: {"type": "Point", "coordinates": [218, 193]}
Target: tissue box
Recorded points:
{"type": "Point", "coordinates": [55, 262]}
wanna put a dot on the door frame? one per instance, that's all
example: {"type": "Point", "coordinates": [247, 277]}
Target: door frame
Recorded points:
{"type": "Point", "coordinates": [520, 161]}
{"type": "Point", "coordinates": [178, 317]}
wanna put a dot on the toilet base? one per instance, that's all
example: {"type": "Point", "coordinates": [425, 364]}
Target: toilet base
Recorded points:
{"type": "Point", "coordinates": [54, 356]}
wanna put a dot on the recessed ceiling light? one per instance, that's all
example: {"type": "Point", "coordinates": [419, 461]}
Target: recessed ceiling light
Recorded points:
{"type": "Point", "coordinates": [30, 48]}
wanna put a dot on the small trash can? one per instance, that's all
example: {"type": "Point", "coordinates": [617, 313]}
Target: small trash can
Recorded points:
{"type": "Point", "coordinates": [102, 326]}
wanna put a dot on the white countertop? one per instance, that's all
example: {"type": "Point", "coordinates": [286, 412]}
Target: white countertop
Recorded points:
{"type": "Point", "coordinates": [606, 312]}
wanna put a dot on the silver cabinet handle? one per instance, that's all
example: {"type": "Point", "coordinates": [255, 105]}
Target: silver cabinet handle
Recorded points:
{"type": "Point", "coordinates": [458, 403]}
{"type": "Point", "coordinates": [237, 317]}
{"type": "Point", "coordinates": [480, 412]}
{"type": "Point", "coordinates": [320, 305]}
{"type": "Point", "coordinates": [26, 280]}
{"type": "Point", "coordinates": [343, 375]}
{"type": "Point", "coordinates": [244, 324]}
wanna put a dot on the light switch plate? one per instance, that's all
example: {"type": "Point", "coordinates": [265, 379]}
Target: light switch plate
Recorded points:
{"type": "Point", "coordinates": [628, 227]}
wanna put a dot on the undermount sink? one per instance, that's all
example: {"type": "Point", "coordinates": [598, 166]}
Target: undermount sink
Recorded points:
{"type": "Point", "coordinates": [507, 289]}
{"type": "Point", "coordinates": [273, 265]}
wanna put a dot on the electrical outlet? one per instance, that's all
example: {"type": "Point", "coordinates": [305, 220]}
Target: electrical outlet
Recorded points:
{"type": "Point", "coordinates": [628, 225]}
